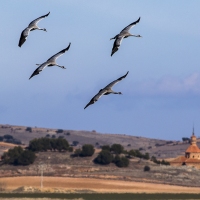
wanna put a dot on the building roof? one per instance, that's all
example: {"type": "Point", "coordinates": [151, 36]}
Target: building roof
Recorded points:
{"type": "Point", "coordinates": [182, 159]}
{"type": "Point", "coordinates": [193, 149]}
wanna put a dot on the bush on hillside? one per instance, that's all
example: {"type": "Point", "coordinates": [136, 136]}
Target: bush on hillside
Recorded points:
{"type": "Point", "coordinates": [163, 162]}
{"type": "Point", "coordinates": [45, 144]}
{"type": "Point", "coordinates": [18, 156]}
{"type": "Point", "coordinates": [146, 168]}
{"type": "Point", "coordinates": [87, 150]}
{"type": "Point", "coordinates": [76, 153]}
{"type": "Point", "coordinates": [59, 131]}
{"type": "Point", "coordinates": [105, 147]}
{"type": "Point", "coordinates": [104, 158]}
{"type": "Point", "coordinates": [137, 153]}
{"type": "Point", "coordinates": [121, 161]}
{"type": "Point", "coordinates": [29, 129]}
{"type": "Point", "coordinates": [7, 137]}
{"type": "Point", "coordinates": [117, 148]}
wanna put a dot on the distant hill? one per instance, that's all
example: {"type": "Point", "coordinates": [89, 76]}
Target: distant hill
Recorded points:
{"type": "Point", "coordinates": [156, 147]}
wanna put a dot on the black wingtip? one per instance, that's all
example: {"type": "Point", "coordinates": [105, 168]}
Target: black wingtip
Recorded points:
{"type": "Point", "coordinates": [68, 46]}
{"type": "Point", "coordinates": [126, 73]}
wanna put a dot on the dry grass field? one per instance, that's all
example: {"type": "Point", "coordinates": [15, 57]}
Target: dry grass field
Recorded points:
{"type": "Point", "coordinates": [63, 184]}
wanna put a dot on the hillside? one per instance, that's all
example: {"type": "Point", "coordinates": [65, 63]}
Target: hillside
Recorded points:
{"type": "Point", "coordinates": [156, 147]}
{"type": "Point", "coordinates": [61, 164]}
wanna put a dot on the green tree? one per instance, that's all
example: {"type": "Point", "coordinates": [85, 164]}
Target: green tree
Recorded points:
{"type": "Point", "coordinates": [7, 137]}
{"type": "Point", "coordinates": [70, 149]}
{"type": "Point", "coordinates": [26, 158]}
{"type": "Point", "coordinates": [29, 129]}
{"type": "Point", "coordinates": [122, 162]}
{"type": "Point", "coordinates": [76, 153]}
{"type": "Point", "coordinates": [59, 131]}
{"type": "Point", "coordinates": [62, 144]}
{"type": "Point", "coordinates": [104, 157]}
{"type": "Point", "coordinates": [105, 147]}
{"type": "Point", "coordinates": [87, 150]}
{"type": "Point", "coordinates": [146, 168]}
{"type": "Point", "coordinates": [117, 148]}
{"type": "Point", "coordinates": [17, 156]}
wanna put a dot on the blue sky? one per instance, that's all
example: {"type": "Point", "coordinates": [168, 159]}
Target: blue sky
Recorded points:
{"type": "Point", "coordinates": [161, 94]}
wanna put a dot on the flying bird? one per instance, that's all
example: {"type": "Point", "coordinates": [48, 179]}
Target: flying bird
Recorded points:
{"type": "Point", "coordinates": [50, 62]}
{"type": "Point", "coordinates": [31, 27]}
{"type": "Point", "coordinates": [123, 34]}
{"type": "Point", "coordinates": [106, 90]}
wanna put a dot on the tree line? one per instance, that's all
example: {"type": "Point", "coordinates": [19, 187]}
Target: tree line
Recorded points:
{"type": "Point", "coordinates": [108, 154]}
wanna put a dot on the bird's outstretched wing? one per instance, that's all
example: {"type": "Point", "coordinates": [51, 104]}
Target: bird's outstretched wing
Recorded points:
{"type": "Point", "coordinates": [110, 85]}
{"type": "Point", "coordinates": [39, 69]}
{"type": "Point", "coordinates": [54, 57]}
{"type": "Point", "coordinates": [38, 19]}
{"type": "Point", "coordinates": [96, 97]}
{"type": "Point", "coordinates": [23, 36]}
{"type": "Point", "coordinates": [117, 44]}
{"type": "Point", "coordinates": [127, 28]}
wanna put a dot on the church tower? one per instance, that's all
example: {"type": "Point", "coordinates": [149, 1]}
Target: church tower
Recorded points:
{"type": "Point", "coordinates": [193, 150]}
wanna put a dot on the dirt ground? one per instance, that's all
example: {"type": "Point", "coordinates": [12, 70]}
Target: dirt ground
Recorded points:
{"type": "Point", "coordinates": [95, 185]}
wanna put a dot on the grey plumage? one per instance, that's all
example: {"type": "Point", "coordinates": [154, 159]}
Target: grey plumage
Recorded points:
{"type": "Point", "coordinates": [31, 27]}
{"type": "Point", "coordinates": [106, 90]}
{"type": "Point", "coordinates": [123, 34]}
{"type": "Point", "coordinates": [50, 62]}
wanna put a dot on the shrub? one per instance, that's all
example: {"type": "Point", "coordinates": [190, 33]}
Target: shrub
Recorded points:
{"type": "Point", "coordinates": [68, 133]}
{"type": "Point", "coordinates": [75, 143]}
{"type": "Point", "coordinates": [137, 153]}
{"type": "Point", "coordinates": [76, 153]}
{"type": "Point", "coordinates": [104, 157]}
{"type": "Point", "coordinates": [87, 150]}
{"type": "Point", "coordinates": [29, 129]}
{"type": "Point", "coordinates": [146, 168]}
{"type": "Point", "coordinates": [70, 149]}
{"type": "Point", "coordinates": [122, 162]}
{"type": "Point", "coordinates": [1, 138]}
{"type": "Point", "coordinates": [105, 147]}
{"type": "Point", "coordinates": [163, 162]}
{"type": "Point", "coordinates": [27, 157]}
{"type": "Point", "coordinates": [47, 135]}
{"type": "Point", "coordinates": [117, 148]}
{"type": "Point", "coordinates": [44, 144]}
{"type": "Point", "coordinates": [59, 131]}
{"type": "Point", "coordinates": [185, 139]}
{"type": "Point", "coordinates": [18, 156]}
{"type": "Point", "coordinates": [7, 137]}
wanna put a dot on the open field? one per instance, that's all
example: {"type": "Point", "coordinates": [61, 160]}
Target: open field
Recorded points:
{"type": "Point", "coordinates": [63, 184]}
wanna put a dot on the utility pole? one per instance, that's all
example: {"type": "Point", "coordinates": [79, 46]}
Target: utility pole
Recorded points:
{"type": "Point", "coordinates": [41, 167]}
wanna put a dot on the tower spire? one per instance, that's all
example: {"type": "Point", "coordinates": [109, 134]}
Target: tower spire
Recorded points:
{"type": "Point", "coordinates": [193, 130]}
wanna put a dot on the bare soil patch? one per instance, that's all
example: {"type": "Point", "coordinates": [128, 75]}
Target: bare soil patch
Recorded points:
{"type": "Point", "coordinates": [95, 185]}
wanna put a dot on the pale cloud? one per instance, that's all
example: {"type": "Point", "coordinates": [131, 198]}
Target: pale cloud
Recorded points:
{"type": "Point", "coordinates": [169, 85]}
